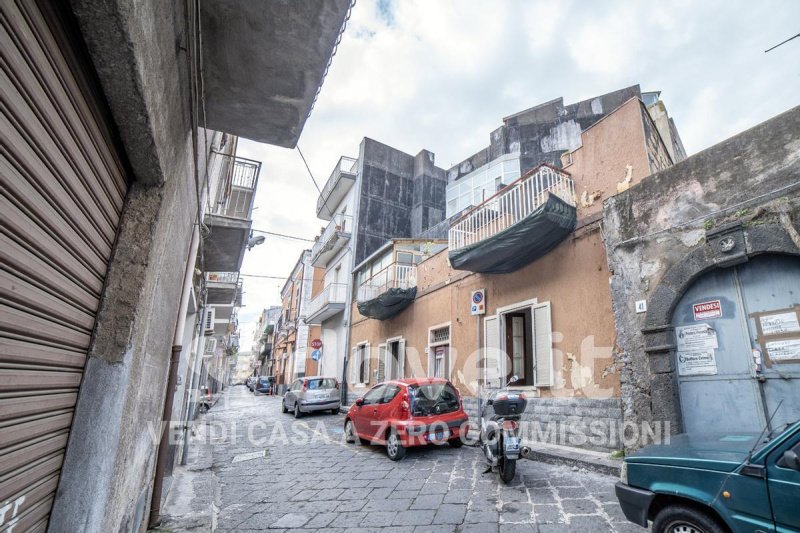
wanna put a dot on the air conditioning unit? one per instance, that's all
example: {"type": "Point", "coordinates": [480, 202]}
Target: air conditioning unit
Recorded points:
{"type": "Point", "coordinates": [208, 321]}
{"type": "Point", "coordinates": [210, 347]}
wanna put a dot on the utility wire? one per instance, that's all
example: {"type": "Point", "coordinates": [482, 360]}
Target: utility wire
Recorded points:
{"type": "Point", "coordinates": [282, 235]}
{"type": "Point", "coordinates": [781, 43]}
{"type": "Point", "coordinates": [324, 200]}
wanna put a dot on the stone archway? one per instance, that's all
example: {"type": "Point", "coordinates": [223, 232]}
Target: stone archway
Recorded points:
{"type": "Point", "coordinates": [726, 246]}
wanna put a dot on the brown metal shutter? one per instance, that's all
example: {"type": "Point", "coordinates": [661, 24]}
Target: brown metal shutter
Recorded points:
{"type": "Point", "coordinates": [61, 193]}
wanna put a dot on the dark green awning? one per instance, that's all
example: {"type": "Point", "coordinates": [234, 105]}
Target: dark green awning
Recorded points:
{"type": "Point", "coordinates": [522, 243]}
{"type": "Point", "coordinates": [387, 304]}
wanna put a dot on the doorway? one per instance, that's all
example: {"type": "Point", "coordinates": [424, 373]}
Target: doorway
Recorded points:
{"type": "Point", "coordinates": [395, 358]}
{"type": "Point", "coordinates": [519, 348]}
{"type": "Point", "coordinates": [738, 347]}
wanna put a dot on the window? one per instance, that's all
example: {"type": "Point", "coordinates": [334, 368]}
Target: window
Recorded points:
{"type": "Point", "coordinates": [439, 351]}
{"type": "Point", "coordinates": [433, 399]}
{"type": "Point", "coordinates": [389, 393]}
{"type": "Point", "coordinates": [374, 395]}
{"type": "Point", "coordinates": [326, 383]}
{"type": "Point", "coordinates": [360, 362]}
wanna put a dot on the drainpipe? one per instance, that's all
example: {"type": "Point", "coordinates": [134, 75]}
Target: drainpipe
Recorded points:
{"type": "Point", "coordinates": [172, 380]}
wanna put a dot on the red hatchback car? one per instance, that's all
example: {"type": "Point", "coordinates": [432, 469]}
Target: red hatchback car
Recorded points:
{"type": "Point", "coordinates": [407, 412]}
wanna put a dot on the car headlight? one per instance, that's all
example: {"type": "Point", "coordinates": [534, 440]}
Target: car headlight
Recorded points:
{"type": "Point", "coordinates": [623, 473]}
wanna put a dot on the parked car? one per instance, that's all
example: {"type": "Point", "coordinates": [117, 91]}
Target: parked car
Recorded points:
{"type": "Point", "coordinates": [265, 385]}
{"type": "Point", "coordinates": [251, 382]}
{"type": "Point", "coordinates": [408, 412]}
{"type": "Point", "coordinates": [310, 394]}
{"type": "Point", "coordinates": [736, 482]}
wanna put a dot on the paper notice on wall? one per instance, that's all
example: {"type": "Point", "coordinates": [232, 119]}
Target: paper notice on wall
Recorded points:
{"type": "Point", "coordinates": [784, 350]}
{"type": "Point", "coordinates": [697, 363]}
{"type": "Point", "coordinates": [779, 323]}
{"type": "Point", "coordinates": [696, 337]}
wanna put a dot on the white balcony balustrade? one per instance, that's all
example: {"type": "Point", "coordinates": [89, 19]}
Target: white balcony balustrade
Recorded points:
{"type": "Point", "coordinates": [328, 303]}
{"type": "Point", "coordinates": [339, 182]}
{"type": "Point", "coordinates": [332, 240]}
{"type": "Point", "coordinates": [511, 205]}
{"type": "Point", "coordinates": [394, 276]}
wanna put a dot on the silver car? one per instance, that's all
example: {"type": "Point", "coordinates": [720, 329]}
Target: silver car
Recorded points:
{"type": "Point", "coordinates": [314, 393]}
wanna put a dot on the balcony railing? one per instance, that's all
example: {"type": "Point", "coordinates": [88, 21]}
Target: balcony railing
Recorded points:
{"type": "Point", "coordinates": [222, 277]}
{"type": "Point", "coordinates": [334, 293]}
{"type": "Point", "coordinates": [509, 206]}
{"type": "Point", "coordinates": [237, 191]}
{"type": "Point", "coordinates": [394, 276]}
{"type": "Point", "coordinates": [346, 165]}
{"type": "Point", "coordinates": [340, 225]}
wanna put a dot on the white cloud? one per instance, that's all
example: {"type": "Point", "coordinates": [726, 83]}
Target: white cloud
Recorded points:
{"type": "Point", "coordinates": [443, 74]}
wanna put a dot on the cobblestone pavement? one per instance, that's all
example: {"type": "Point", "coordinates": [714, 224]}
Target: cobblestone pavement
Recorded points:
{"type": "Point", "coordinates": [272, 472]}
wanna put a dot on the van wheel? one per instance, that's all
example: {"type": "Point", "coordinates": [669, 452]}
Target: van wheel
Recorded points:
{"type": "Point", "coordinates": [394, 448]}
{"type": "Point", "coordinates": [682, 518]}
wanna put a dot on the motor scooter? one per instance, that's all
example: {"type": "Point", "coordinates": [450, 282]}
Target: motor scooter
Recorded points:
{"type": "Point", "coordinates": [500, 430]}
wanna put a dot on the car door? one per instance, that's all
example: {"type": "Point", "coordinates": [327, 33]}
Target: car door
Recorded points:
{"type": "Point", "coordinates": [365, 413]}
{"type": "Point", "coordinates": [383, 411]}
{"type": "Point", "coordinates": [783, 482]}
{"type": "Point", "coordinates": [291, 394]}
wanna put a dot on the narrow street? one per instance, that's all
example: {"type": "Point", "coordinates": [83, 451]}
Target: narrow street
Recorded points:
{"type": "Point", "coordinates": [267, 470]}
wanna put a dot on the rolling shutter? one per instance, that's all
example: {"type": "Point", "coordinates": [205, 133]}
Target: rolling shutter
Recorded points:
{"type": "Point", "coordinates": [543, 345]}
{"type": "Point", "coordinates": [62, 190]}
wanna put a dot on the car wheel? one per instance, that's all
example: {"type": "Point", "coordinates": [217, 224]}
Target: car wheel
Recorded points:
{"type": "Point", "coordinates": [350, 432]}
{"type": "Point", "coordinates": [297, 413]}
{"type": "Point", "coordinates": [394, 448]}
{"type": "Point", "coordinates": [335, 411]}
{"type": "Point", "coordinates": [456, 443]}
{"type": "Point", "coordinates": [685, 519]}
{"type": "Point", "coordinates": [283, 407]}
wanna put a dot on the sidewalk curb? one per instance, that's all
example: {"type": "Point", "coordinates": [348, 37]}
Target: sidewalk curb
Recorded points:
{"type": "Point", "coordinates": [575, 458]}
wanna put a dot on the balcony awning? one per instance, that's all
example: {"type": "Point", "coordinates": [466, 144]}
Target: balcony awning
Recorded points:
{"type": "Point", "coordinates": [388, 304]}
{"type": "Point", "coordinates": [520, 244]}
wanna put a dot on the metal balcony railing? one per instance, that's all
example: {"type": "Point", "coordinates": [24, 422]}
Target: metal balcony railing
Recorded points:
{"type": "Point", "coordinates": [510, 205]}
{"type": "Point", "coordinates": [334, 293]}
{"type": "Point", "coordinates": [236, 194]}
{"type": "Point", "coordinates": [346, 165]}
{"type": "Point", "coordinates": [394, 276]}
{"type": "Point", "coordinates": [340, 224]}
{"type": "Point", "coordinates": [222, 277]}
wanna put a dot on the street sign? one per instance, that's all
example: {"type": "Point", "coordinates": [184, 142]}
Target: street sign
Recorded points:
{"type": "Point", "coordinates": [478, 302]}
{"type": "Point", "coordinates": [316, 355]}
{"type": "Point", "coordinates": [316, 344]}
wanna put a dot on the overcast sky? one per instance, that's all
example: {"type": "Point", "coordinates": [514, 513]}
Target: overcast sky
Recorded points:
{"type": "Point", "coordinates": [442, 74]}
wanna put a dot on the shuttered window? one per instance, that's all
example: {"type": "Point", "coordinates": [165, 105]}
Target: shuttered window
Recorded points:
{"type": "Point", "coordinates": [543, 345]}
{"type": "Point", "coordinates": [492, 359]}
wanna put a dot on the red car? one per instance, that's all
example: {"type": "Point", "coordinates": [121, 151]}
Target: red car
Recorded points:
{"type": "Point", "coordinates": [408, 412]}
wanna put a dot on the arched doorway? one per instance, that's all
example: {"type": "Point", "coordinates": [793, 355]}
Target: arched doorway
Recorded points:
{"type": "Point", "coordinates": [738, 346]}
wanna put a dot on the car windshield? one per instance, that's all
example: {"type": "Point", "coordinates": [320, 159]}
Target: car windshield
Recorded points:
{"type": "Point", "coordinates": [321, 383]}
{"type": "Point", "coordinates": [433, 399]}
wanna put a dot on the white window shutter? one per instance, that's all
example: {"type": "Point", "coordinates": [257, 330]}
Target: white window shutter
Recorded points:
{"type": "Point", "coordinates": [368, 359]}
{"type": "Point", "coordinates": [355, 364]}
{"type": "Point", "coordinates": [543, 345]}
{"type": "Point", "coordinates": [208, 321]}
{"type": "Point", "coordinates": [401, 359]}
{"type": "Point", "coordinates": [382, 354]}
{"type": "Point", "coordinates": [491, 351]}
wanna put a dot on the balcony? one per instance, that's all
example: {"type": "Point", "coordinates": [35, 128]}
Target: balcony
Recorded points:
{"type": "Point", "coordinates": [332, 240]}
{"type": "Point", "coordinates": [516, 226]}
{"type": "Point", "coordinates": [342, 178]}
{"type": "Point", "coordinates": [388, 292]}
{"type": "Point", "coordinates": [230, 218]}
{"type": "Point", "coordinates": [328, 303]}
{"type": "Point", "coordinates": [223, 287]}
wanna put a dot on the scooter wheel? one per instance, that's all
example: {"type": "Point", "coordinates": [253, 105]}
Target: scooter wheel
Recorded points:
{"type": "Point", "coordinates": [508, 469]}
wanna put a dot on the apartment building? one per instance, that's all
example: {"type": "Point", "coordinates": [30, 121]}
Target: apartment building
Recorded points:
{"type": "Point", "coordinates": [293, 334]}
{"type": "Point", "coordinates": [521, 287]}
{"type": "Point", "coordinates": [382, 194]}
{"type": "Point", "coordinates": [264, 341]}
{"type": "Point", "coordinates": [108, 155]}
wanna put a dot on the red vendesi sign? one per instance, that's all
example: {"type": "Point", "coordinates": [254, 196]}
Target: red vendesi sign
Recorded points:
{"type": "Point", "coordinates": [706, 310]}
